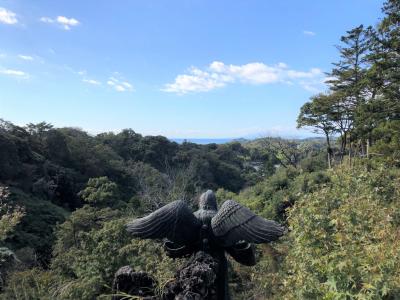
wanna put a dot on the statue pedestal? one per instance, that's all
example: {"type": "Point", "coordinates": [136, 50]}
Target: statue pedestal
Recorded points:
{"type": "Point", "coordinates": [196, 280]}
{"type": "Point", "coordinates": [127, 281]}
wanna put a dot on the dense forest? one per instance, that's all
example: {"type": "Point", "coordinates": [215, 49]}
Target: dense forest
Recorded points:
{"type": "Point", "coordinates": [66, 195]}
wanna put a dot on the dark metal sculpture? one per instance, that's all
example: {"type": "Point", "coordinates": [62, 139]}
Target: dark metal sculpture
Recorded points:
{"type": "Point", "coordinates": [233, 229]}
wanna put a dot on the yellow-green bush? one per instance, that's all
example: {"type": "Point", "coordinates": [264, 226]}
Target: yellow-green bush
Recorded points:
{"type": "Point", "coordinates": [88, 267]}
{"type": "Point", "coordinates": [345, 239]}
{"type": "Point", "coordinates": [32, 284]}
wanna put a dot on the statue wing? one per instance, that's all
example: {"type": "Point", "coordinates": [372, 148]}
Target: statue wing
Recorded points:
{"type": "Point", "coordinates": [174, 221]}
{"type": "Point", "coordinates": [234, 223]}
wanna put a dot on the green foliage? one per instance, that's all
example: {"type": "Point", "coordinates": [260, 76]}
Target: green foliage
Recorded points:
{"type": "Point", "coordinates": [263, 281]}
{"type": "Point", "coordinates": [313, 163]}
{"type": "Point", "coordinates": [32, 284]}
{"type": "Point", "coordinates": [9, 216]}
{"type": "Point", "coordinates": [362, 101]}
{"type": "Point", "coordinates": [39, 128]}
{"type": "Point", "coordinates": [100, 192]}
{"type": "Point", "coordinates": [222, 195]}
{"type": "Point", "coordinates": [386, 147]}
{"type": "Point", "coordinates": [275, 194]}
{"type": "Point", "coordinates": [36, 228]}
{"type": "Point", "coordinates": [92, 245]}
{"type": "Point", "coordinates": [344, 239]}
{"type": "Point", "coordinates": [77, 190]}
{"type": "Point", "coordinates": [317, 114]}
{"type": "Point", "coordinates": [68, 167]}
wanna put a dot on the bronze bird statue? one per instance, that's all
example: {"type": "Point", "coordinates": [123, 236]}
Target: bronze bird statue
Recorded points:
{"type": "Point", "coordinates": [233, 228]}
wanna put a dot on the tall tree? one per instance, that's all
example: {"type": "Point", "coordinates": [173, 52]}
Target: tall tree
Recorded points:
{"type": "Point", "coordinates": [38, 128]}
{"type": "Point", "coordinates": [348, 75]}
{"type": "Point", "coordinates": [388, 38]}
{"type": "Point", "coordinates": [382, 103]}
{"type": "Point", "coordinates": [286, 152]}
{"type": "Point", "coordinates": [348, 81]}
{"type": "Point", "coordinates": [317, 114]}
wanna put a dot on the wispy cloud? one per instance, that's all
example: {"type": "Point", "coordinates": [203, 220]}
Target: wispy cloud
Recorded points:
{"type": "Point", "coordinates": [67, 22]}
{"type": "Point", "coordinates": [46, 20]}
{"type": "Point", "coordinates": [91, 81]}
{"type": "Point", "coordinates": [120, 85]}
{"type": "Point", "coordinates": [14, 73]}
{"type": "Point", "coordinates": [26, 57]}
{"type": "Point", "coordinates": [83, 74]}
{"type": "Point", "coordinates": [309, 33]}
{"type": "Point", "coordinates": [313, 73]}
{"type": "Point", "coordinates": [219, 74]}
{"type": "Point", "coordinates": [64, 22]}
{"type": "Point", "coordinates": [7, 16]}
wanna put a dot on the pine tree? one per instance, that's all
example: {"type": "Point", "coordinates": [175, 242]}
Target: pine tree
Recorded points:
{"type": "Point", "coordinates": [388, 38]}
{"type": "Point", "coordinates": [349, 83]}
{"type": "Point", "coordinates": [317, 113]}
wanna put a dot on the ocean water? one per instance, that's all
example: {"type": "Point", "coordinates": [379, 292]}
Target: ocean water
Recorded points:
{"type": "Point", "coordinates": [203, 141]}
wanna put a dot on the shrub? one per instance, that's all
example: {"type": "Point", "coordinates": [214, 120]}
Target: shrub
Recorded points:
{"type": "Point", "coordinates": [344, 239]}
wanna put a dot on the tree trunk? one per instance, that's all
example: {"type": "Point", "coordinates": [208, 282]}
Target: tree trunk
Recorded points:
{"type": "Point", "coordinates": [368, 145]}
{"type": "Point", "coordinates": [343, 146]}
{"type": "Point", "coordinates": [329, 150]}
{"type": "Point", "coordinates": [350, 150]}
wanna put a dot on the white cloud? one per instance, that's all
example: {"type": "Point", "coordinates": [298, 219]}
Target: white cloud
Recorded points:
{"type": "Point", "coordinates": [127, 85]}
{"type": "Point", "coordinates": [314, 85]}
{"type": "Point", "coordinates": [314, 72]}
{"type": "Point", "coordinates": [309, 33]}
{"type": "Point", "coordinates": [218, 74]}
{"type": "Point", "coordinates": [7, 16]}
{"type": "Point", "coordinates": [196, 81]}
{"type": "Point", "coordinates": [65, 22]}
{"type": "Point", "coordinates": [14, 73]}
{"type": "Point", "coordinates": [256, 73]}
{"type": "Point", "coordinates": [120, 85]}
{"type": "Point", "coordinates": [46, 20]}
{"type": "Point", "coordinates": [91, 81]}
{"type": "Point", "coordinates": [26, 57]}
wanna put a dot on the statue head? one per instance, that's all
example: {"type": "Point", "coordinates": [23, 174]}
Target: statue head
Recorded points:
{"type": "Point", "coordinates": [208, 201]}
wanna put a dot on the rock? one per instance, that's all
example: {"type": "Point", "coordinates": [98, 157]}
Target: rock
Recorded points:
{"type": "Point", "coordinates": [127, 281]}
{"type": "Point", "coordinates": [196, 280]}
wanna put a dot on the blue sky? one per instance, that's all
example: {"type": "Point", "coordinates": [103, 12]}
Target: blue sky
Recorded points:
{"type": "Point", "coordinates": [177, 68]}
